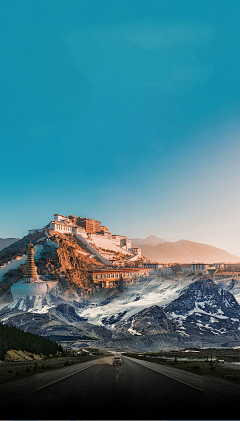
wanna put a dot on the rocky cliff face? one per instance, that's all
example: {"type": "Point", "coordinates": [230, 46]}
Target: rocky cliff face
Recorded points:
{"type": "Point", "coordinates": [64, 263]}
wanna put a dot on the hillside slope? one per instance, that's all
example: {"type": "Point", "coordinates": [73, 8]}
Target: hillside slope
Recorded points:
{"type": "Point", "coordinates": [13, 338]}
{"type": "Point", "coordinates": [20, 247]}
{"type": "Point", "coordinates": [5, 242]}
{"type": "Point", "coordinates": [60, 258]}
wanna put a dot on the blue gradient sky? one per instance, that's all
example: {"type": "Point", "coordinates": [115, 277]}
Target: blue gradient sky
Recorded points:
{"type": "Point", "coordinates": [124, 111]}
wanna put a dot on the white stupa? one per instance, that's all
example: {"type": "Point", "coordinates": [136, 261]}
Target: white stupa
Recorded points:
{"type": "Point", "coordinates": [31, 284]}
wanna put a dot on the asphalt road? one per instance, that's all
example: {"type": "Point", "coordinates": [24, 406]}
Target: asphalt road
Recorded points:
{"type": "Point", "coordinates": [106, 392]}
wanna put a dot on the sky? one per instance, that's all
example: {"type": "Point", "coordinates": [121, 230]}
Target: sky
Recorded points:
{"type": "Point", "coordinates": [122, 111]}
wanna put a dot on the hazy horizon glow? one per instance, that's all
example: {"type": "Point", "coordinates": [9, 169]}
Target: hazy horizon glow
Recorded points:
{"type": "Point", "coordinates": [127, 112]}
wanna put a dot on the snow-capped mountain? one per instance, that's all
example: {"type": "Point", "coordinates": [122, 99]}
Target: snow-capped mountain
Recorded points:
{"type": "Point", "coordinates": [43, 324]}
{"type": "Point", "coordinates": [191, 309]}
{"type": "Point", "coordinates": [35, 303]}
{"type": "Point", "coordinates": [68, 313]}
{"type": "Point", "coordinates": [53, 317]}
{"type": "Point", "coordinates": [150, 291]}
{"type": "Point", "coordinates": [150, 321]}
{"type": "Point", "coordinates": [99, 315]}
{"type": "Point", "coordinates": [204, 307]}
{"type": "Point", "coordinates": [203, 315]}
{"type": "Point", "coordinates": [180, 299]}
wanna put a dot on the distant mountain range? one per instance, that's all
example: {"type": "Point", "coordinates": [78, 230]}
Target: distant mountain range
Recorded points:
{"type": "Point", "coordinates": [5, 242]}
{"type": "Point", "coordinates": [150, 241]}
{"type": "Point", "coordinates": [182, 251]}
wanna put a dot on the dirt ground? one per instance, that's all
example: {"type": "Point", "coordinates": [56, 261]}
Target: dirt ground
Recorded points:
{"type": "Point", "coordinates": [16, 370]}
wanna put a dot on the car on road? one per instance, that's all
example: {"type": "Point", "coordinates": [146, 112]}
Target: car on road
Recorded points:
{"type": "Point", "coordinates": [117, 360]}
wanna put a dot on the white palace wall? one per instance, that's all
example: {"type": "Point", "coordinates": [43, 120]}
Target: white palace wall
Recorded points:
{"type": "Point", "coordinates": [106, 243]}
{"type": "Point", "coordinates": [93, 250]}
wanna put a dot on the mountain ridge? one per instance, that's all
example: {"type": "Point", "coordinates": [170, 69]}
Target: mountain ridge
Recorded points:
{"type": "Point", "coordinates": [151, 240]}
{"type": "Point", "coordinates": [184, 251]}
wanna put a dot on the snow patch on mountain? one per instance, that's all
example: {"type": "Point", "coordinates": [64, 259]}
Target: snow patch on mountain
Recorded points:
{"type": "Point", "coordinates": [232, 285]}
{"type": "Point", "coordinates": [150, 321]}
{"type": "Point", "coordinates": [35, 304]}
{"type": "Point", "coordinates": [148, 292]}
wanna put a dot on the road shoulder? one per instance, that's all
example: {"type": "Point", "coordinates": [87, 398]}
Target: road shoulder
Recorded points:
{"type": "Point", "coordinates": [216, 387]}
{"type": "Point", "coordinates": [12, 390]}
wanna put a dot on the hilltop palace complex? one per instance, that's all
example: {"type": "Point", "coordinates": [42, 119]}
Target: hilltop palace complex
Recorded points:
{"type": "Point", "coordinates": [99, 242]}
{"type": "Point", "coordinates": [90, 230]}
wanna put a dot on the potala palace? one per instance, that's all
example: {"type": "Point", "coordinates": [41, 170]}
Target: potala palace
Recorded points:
{"type": "Point", "coordinates": [91, 233]}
